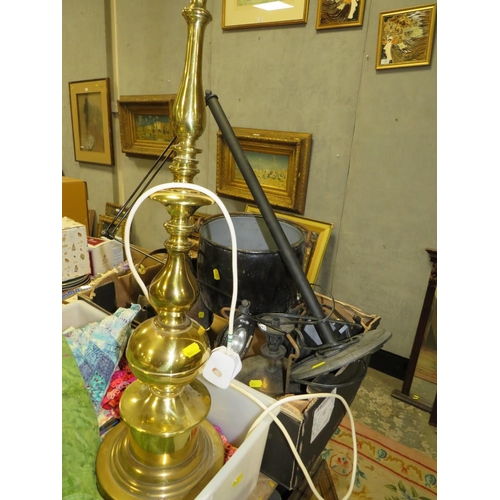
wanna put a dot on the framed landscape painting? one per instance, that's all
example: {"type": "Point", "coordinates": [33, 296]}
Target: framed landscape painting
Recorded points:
{"type": "Point", "coordinates": [145, 125]}
{"type": "Point", "coordinates": [280, 161]}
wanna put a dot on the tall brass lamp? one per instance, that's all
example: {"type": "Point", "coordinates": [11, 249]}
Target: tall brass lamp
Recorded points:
{"type": "Point", "coordinates": [164, 448]}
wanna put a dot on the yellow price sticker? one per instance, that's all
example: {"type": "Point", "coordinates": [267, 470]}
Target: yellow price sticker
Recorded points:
{"type": "Point", "coordinates": [191, 350]}
{"type": "Point", "coordinates": [237, 480]}
{"type": "Point", "coordinates": [318, 365]}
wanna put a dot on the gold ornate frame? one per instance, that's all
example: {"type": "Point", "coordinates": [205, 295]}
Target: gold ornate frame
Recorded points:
{"type": "Point", "coordinates": [90, 104]}
{"type": "Point", "coordinates": [238, 14]}
{"type": "Point", "coordinates": [405, 37]}
{"type": "Point", "coordinates": [280, 161]}
{"type": "Point", "coordinates": [145, 124]}
{"type": "Point", "coordinates": [318, 236]}
{"type": "Point", "coordinates": [337, 14]}
{"type": "Point", "coordinates": [112, 209]}
{"type": "Point", "coordinates": [107, 220]}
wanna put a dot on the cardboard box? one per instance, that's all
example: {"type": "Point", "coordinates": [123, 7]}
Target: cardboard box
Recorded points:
{"type": "Point", "coordinates": [116, 290]}
{"type": "Point", "coordinates": [104, 255]}
{"type": "Point", "coordinates": [120, 290]}
{"type": "Point", "coordinates": [74, 201]}
{"type": "Point", "coordinates": [310, 423]}
{"type": "Point", "coordinates": [75, 253]}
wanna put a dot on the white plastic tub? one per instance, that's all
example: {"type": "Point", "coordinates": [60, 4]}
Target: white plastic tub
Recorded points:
{"type": "Point", "coordinates": [235, 413]}
{"type": "Point", "coordinates": [231, 410]}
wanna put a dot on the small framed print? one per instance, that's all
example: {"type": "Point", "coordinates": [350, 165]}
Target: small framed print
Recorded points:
{"type": "Point", "coordinates": [90, 105]}
{"type": "Point", "coordinates": [241, 14]}
{"type": "Point", "coordinates": [405, 37]}
{"type": "Point", "coordinates": [339, 14]}
{"type": "Point", "coordinates": [145, 124]}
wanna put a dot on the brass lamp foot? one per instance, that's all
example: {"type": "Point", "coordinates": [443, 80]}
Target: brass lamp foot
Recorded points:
{"type": "Point", "coordinates": [120, 476]}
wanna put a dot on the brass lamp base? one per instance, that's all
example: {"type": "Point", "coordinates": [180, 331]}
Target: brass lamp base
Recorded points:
{"type": "Point", "coordinates": [121, 477]}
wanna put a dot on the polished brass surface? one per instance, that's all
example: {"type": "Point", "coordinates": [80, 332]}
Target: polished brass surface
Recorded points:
{"type": "Point", "coordinates": [189, 114]}
{"type": "Point", "coordinates": [126, 477]}
{"type": "Point", "coordinates": [164, 448]}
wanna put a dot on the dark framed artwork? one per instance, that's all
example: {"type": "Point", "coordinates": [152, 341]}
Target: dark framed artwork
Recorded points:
{"type": "Point", "coordinates": [280, 161]}
{"type": "Point", "coordinates": [339, 14]}
{"type": "Point", "coordinates": [90, 104]}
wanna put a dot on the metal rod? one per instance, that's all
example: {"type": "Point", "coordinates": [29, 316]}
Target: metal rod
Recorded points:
{"type": "Point", "coordinates": [323, 328]}
{"type": "Point", "coordinates": [110, 231]}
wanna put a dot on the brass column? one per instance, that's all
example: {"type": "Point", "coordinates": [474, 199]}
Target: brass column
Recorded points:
{"type": "Point", "coordinates": [164, 448]}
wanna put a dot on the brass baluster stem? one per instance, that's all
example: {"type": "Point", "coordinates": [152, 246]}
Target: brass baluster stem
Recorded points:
{"type": "Point", "coordinates": [164, 448]}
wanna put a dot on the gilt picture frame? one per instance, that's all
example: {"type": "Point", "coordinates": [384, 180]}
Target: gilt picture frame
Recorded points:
{"type": "Point", "coordinates": [145, 124]}
{"type": "Point", "coordinates": [243, 14]}
{"type": "Point", "coordinates": [112, 209]}
{"type": "Point", "coordinates": [318, 236]}
{"type": "Point", "coordinates": [105, 221]}
{"type": "Point", "coordinates": [90, 105]}
{"type": "Point", "coordinates": [280, 161]}
{"type": "Point", "coordinates": [405, 37]}
{"type": "Point", "coordinates": [339, 14]}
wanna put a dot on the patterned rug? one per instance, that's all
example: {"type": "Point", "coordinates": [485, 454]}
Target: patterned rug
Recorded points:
{"type": "Point", "coordinates": [386, 469]}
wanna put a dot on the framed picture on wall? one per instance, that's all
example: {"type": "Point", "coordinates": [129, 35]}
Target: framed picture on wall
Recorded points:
{"type": "Point", "coordinates": [145, 125]}
{"type": "Point", "coordinates": [339, 14]}
{"type": "Point", "coordinates": [90, 105]}
{"type": "Point", "coordinates": [405, 37]}
{"type": "Point", "coordinates": [280, 161]}
{"type": "Point", "coordinates": [240, 14]}
{"type": "Point", "coordinates": [317, 238]}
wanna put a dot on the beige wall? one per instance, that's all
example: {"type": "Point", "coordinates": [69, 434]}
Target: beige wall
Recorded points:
{"type": "Point", "coordinates": [373, 164]}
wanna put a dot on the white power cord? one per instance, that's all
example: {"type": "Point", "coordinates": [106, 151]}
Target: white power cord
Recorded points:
{"type": "Point", "coordinates": [269, 409]}
{"type": "Point", "coordinates": [234, 248]}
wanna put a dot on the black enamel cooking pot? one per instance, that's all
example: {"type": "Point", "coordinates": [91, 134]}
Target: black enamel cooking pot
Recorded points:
{"type": "Point", "coordinates": [263, 278]}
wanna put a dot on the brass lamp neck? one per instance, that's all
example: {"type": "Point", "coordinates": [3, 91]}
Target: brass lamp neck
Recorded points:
{"type": "Point", "coordinates": [189, 114]}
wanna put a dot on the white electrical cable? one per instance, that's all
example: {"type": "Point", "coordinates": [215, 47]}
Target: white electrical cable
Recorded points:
{"type": "Point", "coordinates": [269, 409]}
{"type": "Point", "coordinates": [234, 248]}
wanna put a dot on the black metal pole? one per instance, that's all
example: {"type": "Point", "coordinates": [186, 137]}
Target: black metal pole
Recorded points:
{"type": "Point", "coordinates": [127, 206]}
{"type": "Point", "coordinates": [295, 269]}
